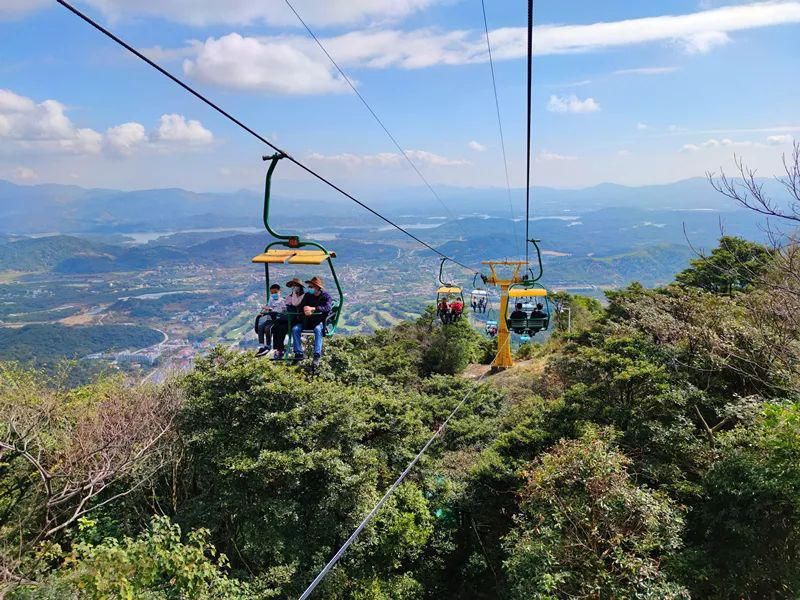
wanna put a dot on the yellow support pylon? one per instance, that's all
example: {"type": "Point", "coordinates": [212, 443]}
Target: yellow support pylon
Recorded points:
{"type": "Point", "coordinates": [503, 360]}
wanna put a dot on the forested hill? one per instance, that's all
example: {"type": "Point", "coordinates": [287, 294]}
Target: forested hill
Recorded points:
{"type": "Point", "coordinates": [68, 254]}
{"type": "Point", "coordinates": [653, 453]}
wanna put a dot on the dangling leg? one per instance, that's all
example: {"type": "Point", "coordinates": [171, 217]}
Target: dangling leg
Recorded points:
{"type": "Point", "coordinates": [297, 341]}
{"type": "Point", "coordinates": [279, 331]}
{"type": "Point", "coordinates": [318, 337]}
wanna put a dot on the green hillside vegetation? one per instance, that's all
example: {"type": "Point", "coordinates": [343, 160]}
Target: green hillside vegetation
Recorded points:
{"type": "Point", "coordinates": [68, 254]}
{"type": "Point", "coordinates": [42, 254]}
{"type": "Point", "coordinates": [46, 345]}
{"type": "Point", "coordinates": [654, 453]}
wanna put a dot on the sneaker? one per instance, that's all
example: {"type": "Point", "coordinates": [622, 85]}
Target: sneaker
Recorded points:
{"type": "Point", "coordinates": [278, 355]}
{"type": "Point", "coordinates": [262, 350]}
{"type": "Point", "coordinates": [315, 362]}
{"type": "Point", "coordinates": [297, 359]}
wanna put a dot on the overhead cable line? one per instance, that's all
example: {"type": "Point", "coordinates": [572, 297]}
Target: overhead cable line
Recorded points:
{"type": "Point", "coordinates": [252, 132]}
{"type": "Point", "coordinates": [528, 155]}
{"type": "Point", "coordinates": [500, 126]}
{"type": "Point", "coordinates": [365, 521]}
{"type": "Point", "coordinates": [375, 116]}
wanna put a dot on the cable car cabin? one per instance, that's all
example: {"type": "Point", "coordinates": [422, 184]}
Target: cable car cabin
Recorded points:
{"type": "Point", "coordinates": [532, 320]}
{"type": "Point", "coordinates": [449, 303]}
{"type": "Point", "coordinates": [298, 256]}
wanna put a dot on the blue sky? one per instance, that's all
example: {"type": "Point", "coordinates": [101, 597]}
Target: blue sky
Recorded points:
{"type": "Point", "coordinates": [625, 91]}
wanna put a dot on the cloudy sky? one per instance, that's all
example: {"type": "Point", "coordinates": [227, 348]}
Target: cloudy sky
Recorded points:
{"type": "Point", "coordinates": [625, 91]}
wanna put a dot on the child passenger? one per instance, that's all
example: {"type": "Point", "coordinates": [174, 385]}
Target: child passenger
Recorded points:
{"type": "Point", "coordinates": [266, 318]}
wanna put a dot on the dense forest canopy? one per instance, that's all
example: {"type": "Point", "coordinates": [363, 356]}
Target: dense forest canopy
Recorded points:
{"type": "Point", "coordinates": [653, 452]}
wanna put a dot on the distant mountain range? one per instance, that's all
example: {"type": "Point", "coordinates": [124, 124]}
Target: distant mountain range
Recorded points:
{"type": "Point", "coordinates": [71, 209]}
{"type": "Point", "coordinates": [607, 234]}
{"type": "Point", "coordinates": [68, 254]}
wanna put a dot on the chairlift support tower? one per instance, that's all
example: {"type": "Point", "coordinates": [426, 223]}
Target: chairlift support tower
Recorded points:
{"type": "Point", "coordinates": [511, 268]}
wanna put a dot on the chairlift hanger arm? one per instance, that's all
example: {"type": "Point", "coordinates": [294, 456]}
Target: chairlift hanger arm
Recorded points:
{"type": "Point", "coordinates": [274, 158]}
{"type": "Point", "coordinates": [539, 258]}
{"type": "Point", "coordinates": [441, 275]}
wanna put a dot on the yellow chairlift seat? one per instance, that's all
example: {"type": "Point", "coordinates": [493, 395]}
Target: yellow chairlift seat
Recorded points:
{"type": "Point", "coordinates": [448, 290]}
{"type": "Point", "coordinates": [293, 257]}
{"type": "Point", "coordinates": [527, 293]}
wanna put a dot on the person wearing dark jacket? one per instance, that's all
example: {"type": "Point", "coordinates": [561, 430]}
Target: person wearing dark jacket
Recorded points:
{"type": "Point", "coordinates": [539, 312]}
{"type": "Point", "coordinates": [316, 306]}
{"type": "Point", "coordinates": [519, 313]}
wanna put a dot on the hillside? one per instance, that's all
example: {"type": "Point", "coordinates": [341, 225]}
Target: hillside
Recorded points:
{"type": "Point", "coordinates": [46, 345]}
{"type": "Point", "coordinates": [71, 209]}
{"type": "Point", "coordinates": [69, 254]}
{"type": "Point", "coordinates": [654, 452]}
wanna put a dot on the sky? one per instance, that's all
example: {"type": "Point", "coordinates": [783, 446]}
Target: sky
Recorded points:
{"type": "Point", "coordinates": [625, 91]}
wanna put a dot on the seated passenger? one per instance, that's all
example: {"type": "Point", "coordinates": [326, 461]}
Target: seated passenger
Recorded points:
{"type": "Point", "coordinates": [538, 312]}
{"type": "Point", "coordinates": [443, 311]}
{"type": "Point", "coordinates": [296, 293]}
{"type": "Point", "coordinates": [281, 325]}
{"type": "Point", "coordinates": [456, 308]}
{"type": "Point", "coordinates": [518, 313]}
{"type": "Point", "coordinates": [267, 318]}
{"type": "Point", "coordinates": [315, 308]}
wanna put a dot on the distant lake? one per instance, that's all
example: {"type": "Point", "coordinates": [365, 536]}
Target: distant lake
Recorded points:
{"type": "Point", "coordinates": [158, 295]}
{"type": "Point", "coordinates": [412, 226]}
{"type": "Point", "coordinates": [143, 237]}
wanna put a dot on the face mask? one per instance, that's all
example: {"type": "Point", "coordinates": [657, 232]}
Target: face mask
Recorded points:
{"type": "Point", "coordinates": [275, 296]}
{"type": "Point", "coordinates": [298, 290]}
{"type": "Point", "coordinates": [317, 292]}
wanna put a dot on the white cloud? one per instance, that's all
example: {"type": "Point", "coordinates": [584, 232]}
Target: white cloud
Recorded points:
{"type": "Point", "coordinates": [124, 139]}
{"type": "Point", "coordinates": [646, 71]}
{"type": "Point", "coordinates": [704, 41]}
{"type": "Point", "coordinates": [641, 126]}
{"type": "Point", "coordinates": [572, 104]}
{"type": "Point", "coordinates": [546, 155]}
{"type": "Point", "coordinates": [699, 30]}
{"type": "Point", "coordinates": [387, 159]}
{"type": "Point", "coordinates": [477, 146]}
{"type": "Point", "coordinates": [175, 129]}
{"type": "Point", "coordinates": [272, 12]}
{"type": "Point", "coordinates": [25, 174]}
{"type": "Point", "coordinates": [435, 159]}
{"type": "Point", "coordinates": [623, 152]}
{"type": "Point", "coordinates": [714, 143]}
{"type": "Point", "coordinates": [292, 64]}
{"type": "Point", "coordinates": [269, 66]}
{"type": "Point", "coordinates": [778, 140]}
{"type": "Point", "coordinates": [45, 126]}
{"type": "Point", "coordinates": [13, 9]}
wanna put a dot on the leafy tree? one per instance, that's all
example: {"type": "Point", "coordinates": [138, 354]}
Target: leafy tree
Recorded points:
{"type": "Point", "coordinates": [155, 565]}
{"type": "Point", "coordinates": [282, 468]}
{"type": "Point", "coordinates": [66, 453]}
{"type": "Point", "coordinates": [747, 528]}
{"type": "Point", "coordinates": [740, 345]}
{"type": "Point", "coordinates": [451, 348]}
{"type": "Point", "coordinates": [735, 265]}
{"type": "Point", "coordinates": [587, 530]}
{"type": "Point", "coordinates": [583, 311]}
